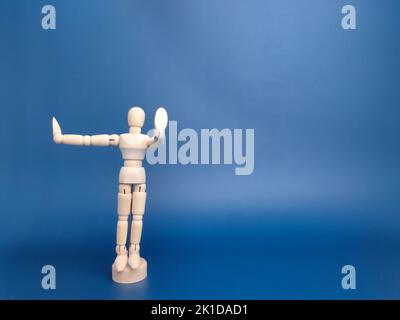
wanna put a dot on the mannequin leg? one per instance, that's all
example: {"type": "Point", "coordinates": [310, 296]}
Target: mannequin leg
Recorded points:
{"type": "Point", "coordinates": [138, 205]}
{"type": "Point", "coordinates": [124, 208]}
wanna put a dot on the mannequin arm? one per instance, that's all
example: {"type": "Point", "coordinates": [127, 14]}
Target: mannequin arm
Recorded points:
{"type": "Point", "coordinates": [157, 139]}
{"type": "Point", "coordinates": [101, 140]}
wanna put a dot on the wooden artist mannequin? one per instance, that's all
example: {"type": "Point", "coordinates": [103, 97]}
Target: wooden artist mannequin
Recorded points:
{"type": "Point", "coordinates": [128, 266]}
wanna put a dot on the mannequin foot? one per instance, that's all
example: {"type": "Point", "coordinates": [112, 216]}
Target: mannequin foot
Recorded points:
{"type": "Point", "coordinates": [121, 260]}
{"type": "Point", "coordinates": [134, 258]}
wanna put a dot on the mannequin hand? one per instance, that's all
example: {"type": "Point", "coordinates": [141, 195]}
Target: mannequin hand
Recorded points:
{"type": "Point", "coordinates": [57, 134]}
{"type": "Point", "coordinates": [161, 119]}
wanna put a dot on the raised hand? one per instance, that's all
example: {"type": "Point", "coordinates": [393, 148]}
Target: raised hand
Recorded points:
{"type": "Point", "coordinates": [57, 134]}
{"type": "Point", "coordinates": [161, 119]}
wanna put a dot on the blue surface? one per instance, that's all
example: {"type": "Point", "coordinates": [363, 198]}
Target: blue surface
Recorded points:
{"type": "Point", "coordinates": [324, 103]}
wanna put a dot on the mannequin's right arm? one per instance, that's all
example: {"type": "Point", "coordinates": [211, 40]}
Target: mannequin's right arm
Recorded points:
{"type": "Point", "coordinates": [101, 140]}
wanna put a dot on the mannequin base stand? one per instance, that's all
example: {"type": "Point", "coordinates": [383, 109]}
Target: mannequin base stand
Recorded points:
{"type": "Point", "coordinates": [130, 275]}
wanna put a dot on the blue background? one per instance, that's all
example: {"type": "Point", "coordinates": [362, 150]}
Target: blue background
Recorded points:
{"type": "Point", "coordinates": [324, 103]}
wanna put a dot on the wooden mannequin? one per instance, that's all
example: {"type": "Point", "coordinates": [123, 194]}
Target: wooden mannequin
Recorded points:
{"type": "Point", "coordinates": [128, 266]}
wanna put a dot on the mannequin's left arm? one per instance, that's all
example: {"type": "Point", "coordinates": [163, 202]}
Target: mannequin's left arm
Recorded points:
{"type": "Point", "coordinates": [157, 139]}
